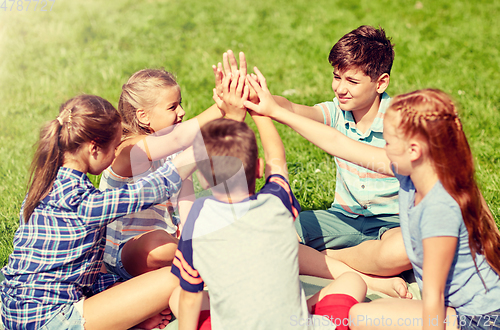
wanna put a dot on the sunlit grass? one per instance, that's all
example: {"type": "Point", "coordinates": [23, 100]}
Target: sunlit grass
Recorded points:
{"type": "Point", "coordinates": [94, 46]}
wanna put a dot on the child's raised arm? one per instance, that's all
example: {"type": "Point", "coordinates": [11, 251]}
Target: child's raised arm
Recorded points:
{"type": "Point", "coordinates": [325, 137]}
{"type": "Point", "coordinates": [274, 151]}
{"type": "Point", "coordinates": [134, 155]}
{"type": "Point", "coordinates": [315, 113]}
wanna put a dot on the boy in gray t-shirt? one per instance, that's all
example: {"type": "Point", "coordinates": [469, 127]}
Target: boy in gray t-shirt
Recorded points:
{"type": "Point", "coordinates": [243, 244]}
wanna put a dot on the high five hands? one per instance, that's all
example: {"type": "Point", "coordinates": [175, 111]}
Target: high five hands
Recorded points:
{"type": "Point", "coordinates": [236, 91]}
{"type": "Point", "coordinates": [230, 89]}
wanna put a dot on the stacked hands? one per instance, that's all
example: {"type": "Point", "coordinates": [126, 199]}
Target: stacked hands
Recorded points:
{"type": "Point", "coordinates": [236, 91]}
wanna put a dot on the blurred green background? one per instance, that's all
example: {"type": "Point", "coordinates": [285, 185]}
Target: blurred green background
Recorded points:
{"type": "Point", "coordinates": [94, 46]}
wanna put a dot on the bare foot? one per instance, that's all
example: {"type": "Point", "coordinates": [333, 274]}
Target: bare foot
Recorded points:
{"type": "Point", "coordinates": [159, 321]}
{"type": "Point", "coordinates": [391, 286]}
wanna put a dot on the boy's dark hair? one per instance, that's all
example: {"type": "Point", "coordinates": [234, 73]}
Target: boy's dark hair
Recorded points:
{"type": "Point", "coordinates": [365, 48]}
{"type": "Point", "coordinates": [229, 145]}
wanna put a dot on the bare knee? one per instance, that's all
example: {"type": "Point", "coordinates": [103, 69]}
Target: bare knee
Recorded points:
{"type": "Point", "coordinates": [393, 262]}
{"type": "Point", "coordinates": [158, 238]}
{"type": "Point", "coordinates": [160, 249]}
{"type": "Point", "coordinates": [355, 285]}
{"type": "Point", "coordinates": [353, 279]}
{"type": "Point", "coordinates": [392, 258]}
{"type": "Point", "coordinates": [149, 251]}
{"type": "Point", "coordinates": [355, 315]}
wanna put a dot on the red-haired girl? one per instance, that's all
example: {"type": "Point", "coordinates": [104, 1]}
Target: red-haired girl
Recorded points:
{"type": "Point", "coordinates": [449, 233]}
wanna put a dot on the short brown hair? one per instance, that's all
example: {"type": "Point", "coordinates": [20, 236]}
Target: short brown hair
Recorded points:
{"type": "Point", "coordinates": [365, 48]}
{"type": "Point", "coordinates": [229, 145]}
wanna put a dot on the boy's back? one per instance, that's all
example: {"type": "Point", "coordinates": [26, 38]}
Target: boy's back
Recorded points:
{"type": "Point", "coordinates": [247, 253]}
{"type": "Point", "coordinates": [242, 244]}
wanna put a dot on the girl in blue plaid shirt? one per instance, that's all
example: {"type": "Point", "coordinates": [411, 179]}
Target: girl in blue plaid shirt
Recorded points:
{"type": "Point", "coordinates": [53, 278]}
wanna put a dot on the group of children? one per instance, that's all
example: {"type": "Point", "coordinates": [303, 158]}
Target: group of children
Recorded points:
{"type": "Point", "coordinates": [120, 256]}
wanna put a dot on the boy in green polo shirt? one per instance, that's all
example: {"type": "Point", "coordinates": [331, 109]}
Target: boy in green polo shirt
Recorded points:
{"type": "Point", "coordinates": [361, 228]}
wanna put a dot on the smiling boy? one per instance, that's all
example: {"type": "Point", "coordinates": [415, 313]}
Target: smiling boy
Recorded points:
{"type": "Point", "coordinates": [361, 228]}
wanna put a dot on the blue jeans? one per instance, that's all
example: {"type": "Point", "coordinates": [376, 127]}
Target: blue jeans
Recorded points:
{"type": "Point", "coordinates": [68, 317]}
{"type": "Point", "coordinates": [119, 269]}
{"type": "Point", "coordinates": [488, 321]}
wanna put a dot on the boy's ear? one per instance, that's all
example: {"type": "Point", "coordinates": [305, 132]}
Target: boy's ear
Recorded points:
{"type": "Point", "coordinates": [142, 116]}
{"type": "Point", "coordinates": [259, 169]}
{"type": "Point", "coordinates": [383, 83]}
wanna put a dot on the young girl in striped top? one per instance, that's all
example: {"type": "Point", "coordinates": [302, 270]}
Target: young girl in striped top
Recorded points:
{"type": "Point", "coordinates": [149, 104]}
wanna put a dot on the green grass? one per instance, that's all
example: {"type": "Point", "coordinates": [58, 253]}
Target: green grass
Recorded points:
{"type": "Point", "coordinates": [94, 46]}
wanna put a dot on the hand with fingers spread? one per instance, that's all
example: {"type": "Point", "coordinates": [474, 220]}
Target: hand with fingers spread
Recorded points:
{"type": "Point", "coordinates": [252, 96]}
{"type": "Point", "coordinates": [230, 64]}
{"type": "Point", "coordinates": [266, 105]}
{"type": "Point", "coordinates": [228, 69]}
{"type": "Point", "coordinates": [234, 94]}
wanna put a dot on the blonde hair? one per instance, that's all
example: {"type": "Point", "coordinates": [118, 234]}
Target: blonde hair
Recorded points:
{"type": "Point", "coordinates": [432, 115]}
{"type": "Point", "coordinates": [141, 92]}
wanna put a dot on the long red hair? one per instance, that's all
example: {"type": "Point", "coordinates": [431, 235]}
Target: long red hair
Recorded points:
{"type": "Point", "coordinates": [432, 115]}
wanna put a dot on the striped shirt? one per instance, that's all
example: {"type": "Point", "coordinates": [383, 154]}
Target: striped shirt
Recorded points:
{"type": "Point", "coordinates": [160, 216]}
{"type": "Point", "coordinates": [57, 255]}
{"type": "Point", "coordinates": [360, 191]}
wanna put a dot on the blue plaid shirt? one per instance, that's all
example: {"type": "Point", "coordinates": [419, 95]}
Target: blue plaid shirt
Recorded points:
{"type": "Point", "coordinates": [57, 255]}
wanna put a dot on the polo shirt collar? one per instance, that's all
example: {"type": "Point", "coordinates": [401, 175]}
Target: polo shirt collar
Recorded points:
{"type": "Point", "coordinates": [377, 125]}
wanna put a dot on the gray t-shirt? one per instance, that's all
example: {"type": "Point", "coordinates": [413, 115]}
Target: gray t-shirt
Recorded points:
{"type": "Point", "coordinates": [247, 255]}
{"type": "Point", "coordinates": [438, 214]}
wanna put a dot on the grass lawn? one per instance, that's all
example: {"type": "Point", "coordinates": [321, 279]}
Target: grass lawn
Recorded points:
{"type": "Point", "coordinates": [94, 46]}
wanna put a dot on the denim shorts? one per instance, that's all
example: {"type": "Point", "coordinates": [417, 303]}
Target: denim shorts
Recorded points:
{"type": "Point", "coordinates": [488, 321]}
{"type": "Point", "coordinates": [330, 229]}
{"type": "Point", "coordinates": [69, 316]}
{"type": "Point", "coordinates": [119, 269]}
